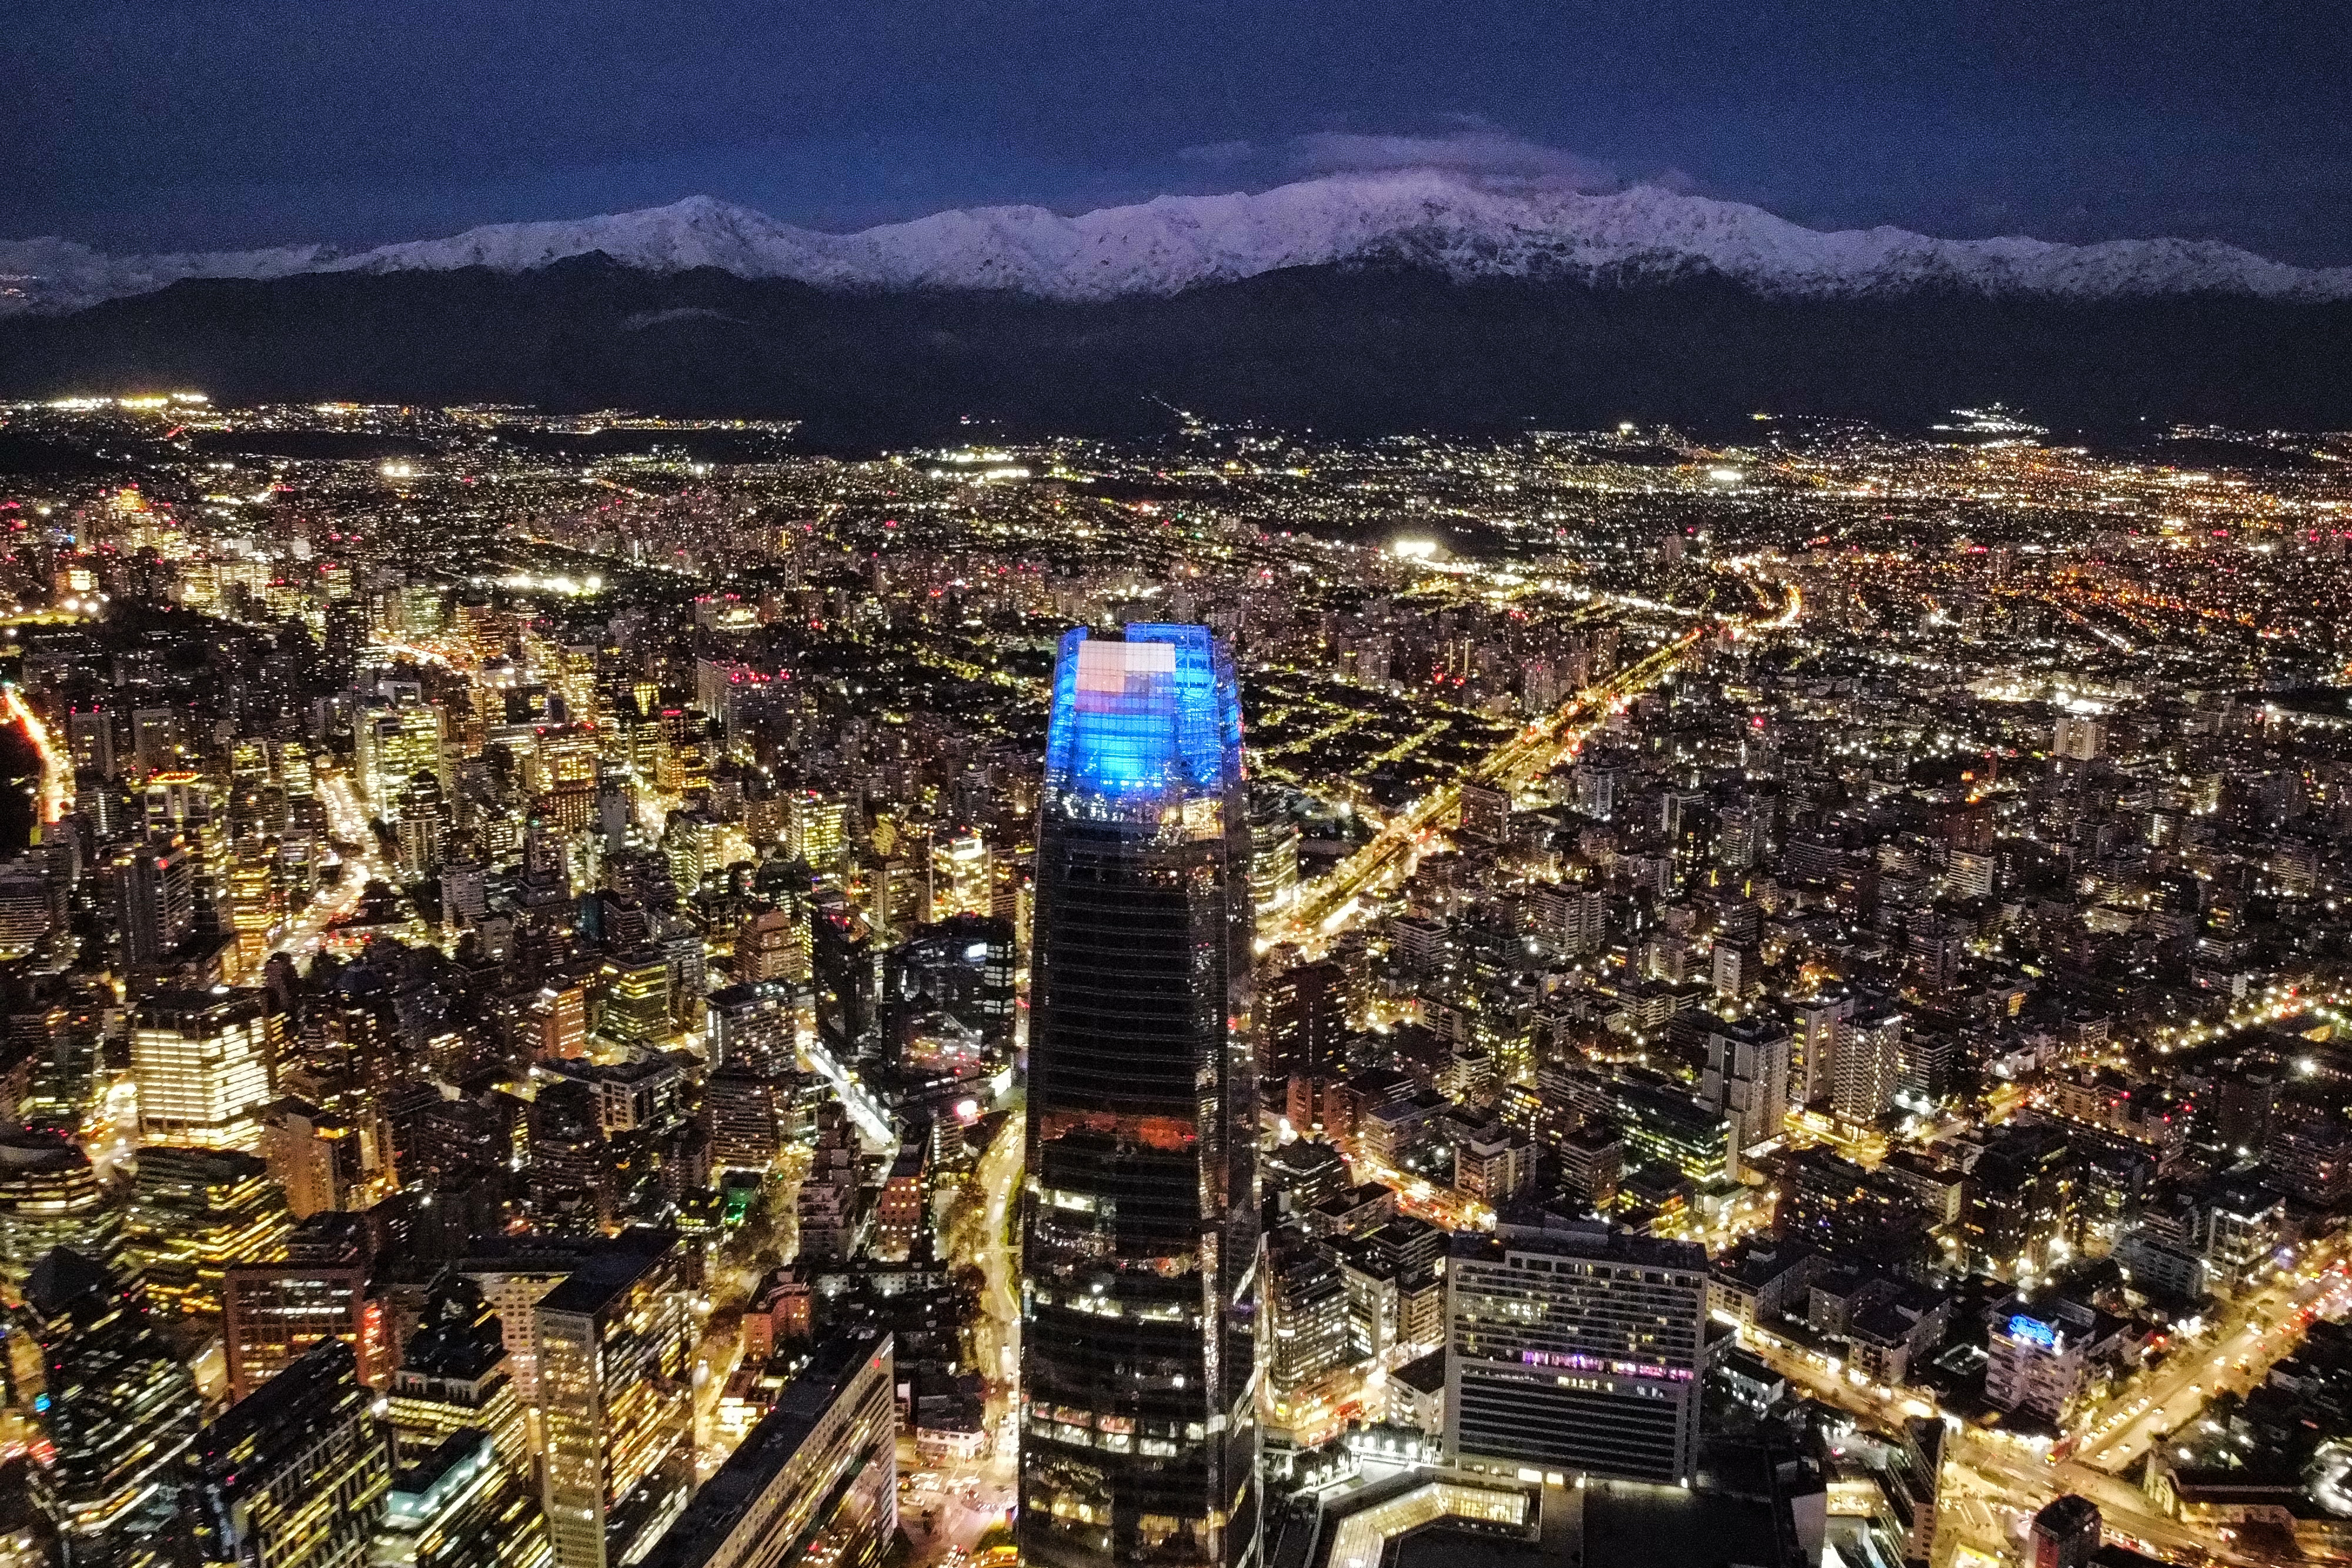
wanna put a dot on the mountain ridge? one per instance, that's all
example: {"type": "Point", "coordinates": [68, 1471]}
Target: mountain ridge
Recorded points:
{"type": "Point", "coordinates": [1466, 228]}
{"type": "Point", "coordinates": [1363, 349]}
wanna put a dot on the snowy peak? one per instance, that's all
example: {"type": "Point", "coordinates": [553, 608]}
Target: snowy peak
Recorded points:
{"type": "Point", "coordinates": [1432, 218]}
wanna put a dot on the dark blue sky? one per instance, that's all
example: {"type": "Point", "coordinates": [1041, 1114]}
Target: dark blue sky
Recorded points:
{"type": "Point", "coordinates": [246, 121]}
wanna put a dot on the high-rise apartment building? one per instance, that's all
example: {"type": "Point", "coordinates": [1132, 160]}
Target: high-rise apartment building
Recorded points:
{"type": "Point", "coordinates": [614, 1344]}
{"type": "Point", "coordinates": [1821, 1025]}
{"type": "Point", "coordinates": [1306, 1023]}
{"type": "Point", "coordinates": [1869, 1067]}
{"type": "Point", "coordinates": [2079, 738]}
{"type": "Point", "coordinates": [817, 1482]}
{"type": "Point", "coordinates": [1274, 859]}
{"type": "Point", "coordinates": [1747, 1078]}
{"type": "Point", "coordinates": [1307, 1318]}
{"type": "Point", "coordinates": [1140, 1439]}
{"type": "Point", "coordinates": [203, 1062]}
{"type": "Point", "coordinates": [294, 1476]}
{"type": "Point", "coordinates": [1574, 1348]}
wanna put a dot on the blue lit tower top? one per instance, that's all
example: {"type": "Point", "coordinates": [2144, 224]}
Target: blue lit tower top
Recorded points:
{"type": "Point", "coordinates": [1138, 721]}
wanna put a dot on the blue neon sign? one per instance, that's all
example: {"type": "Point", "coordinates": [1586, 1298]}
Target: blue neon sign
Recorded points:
{"type": "Point", "coordinates": [2034, 1332]}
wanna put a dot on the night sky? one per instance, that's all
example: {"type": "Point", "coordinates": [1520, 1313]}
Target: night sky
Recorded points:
{"type": "Point", "coordinates": [234, 123]}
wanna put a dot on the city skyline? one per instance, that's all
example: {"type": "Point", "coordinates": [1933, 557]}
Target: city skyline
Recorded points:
{"type": "Point", "coordinates": [598, 988]}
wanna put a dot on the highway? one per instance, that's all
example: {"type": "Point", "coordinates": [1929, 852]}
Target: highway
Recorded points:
{"type": "Point", "coordinates": [1323, 906]}
{"type": "Point", "coordinates": [2254, 1335]}
{"type": "Point", "coordinates": [56, 769]}
{"type": "Point", "coordinates": [998, 1353]}
{"type": "Point", "coordinates": [355, 839]}
{"type": "Point", "coordinates": [951, 1504]}
{"type": "Point", "coordinates": [1994, 1481]}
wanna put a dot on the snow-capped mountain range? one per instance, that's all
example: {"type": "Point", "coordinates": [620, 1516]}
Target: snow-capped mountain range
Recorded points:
{"type": "Point", "coordinates": [1426, 217]}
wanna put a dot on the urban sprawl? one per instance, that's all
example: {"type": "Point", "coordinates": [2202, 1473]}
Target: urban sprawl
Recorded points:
{"type": "Point", "coordinates": [598, 990]}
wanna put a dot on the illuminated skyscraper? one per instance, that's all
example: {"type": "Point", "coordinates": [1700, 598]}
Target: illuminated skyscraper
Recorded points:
{"type": "Point", "coordinates": [117, 1408]}
{"type": "Point", "coordinates": [192, 1213]}
{"type": "Point", "coordinates": [50, 1198]}
{"type": "Point", "coordinates": [293, 1477]}
{"type": "Point", "coordinates": [615, 1342]}
{"type": "Point", "coordinates": [201, 1060]}
{"type": "Point", "coordinates": [395, 745]}
{"type": "Point", "coordinates": [1140, 1438]}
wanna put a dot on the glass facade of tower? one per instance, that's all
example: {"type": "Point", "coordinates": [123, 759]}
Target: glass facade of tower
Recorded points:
{"type": "Point", "coordinates": [1138, 1441]}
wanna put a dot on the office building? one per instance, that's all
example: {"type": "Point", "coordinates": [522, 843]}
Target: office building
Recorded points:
{"type": "Point", "coordinates": [154, 887]}
{"type": "Point", "coordinates": [1486, 813]}
{"type": "Point", "coordinates": [394, 747]}
{"type": "Point", "coordinates": [817, 1482]}
{"type": "Point", "coordinates": [203, 1061]}
{"type": "Point", "coordinates": [902, 1210]}
{"type": "Point", "coordinates": [28, 907]}
{"type": "Point", "coordinates": [615, 1342]}
{"type": "Point", "coordinates": [193, 1211]}
{"type": "Point", "coordinates": [313, 1286]}
{"type": "Point", "coordinates": [2067, 1533]}
{"type": "Point", "coordinates": [952, 979]}
{"type": "Point", "coordinates": [459, 1505]}
{"type": "Point", "coordinates": [960, 878]}
{"type": "Point", "coordinates": [293, 1477]}
{"type": "Point", "coordinates": [1574, 1348]}
{"type": "Point", "coordinates": [846, 987]}
{"type": "Point", "coordinates": [1140, 1439]}
{"type": "Point", "coordinates": [637, 998]}
{"type": "Point", "coordinates": [50, 1198]}
{"type": "Point", "coordinates": [453, 1377]}
{"type": "Point", "coordinates": [117, 1408]}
